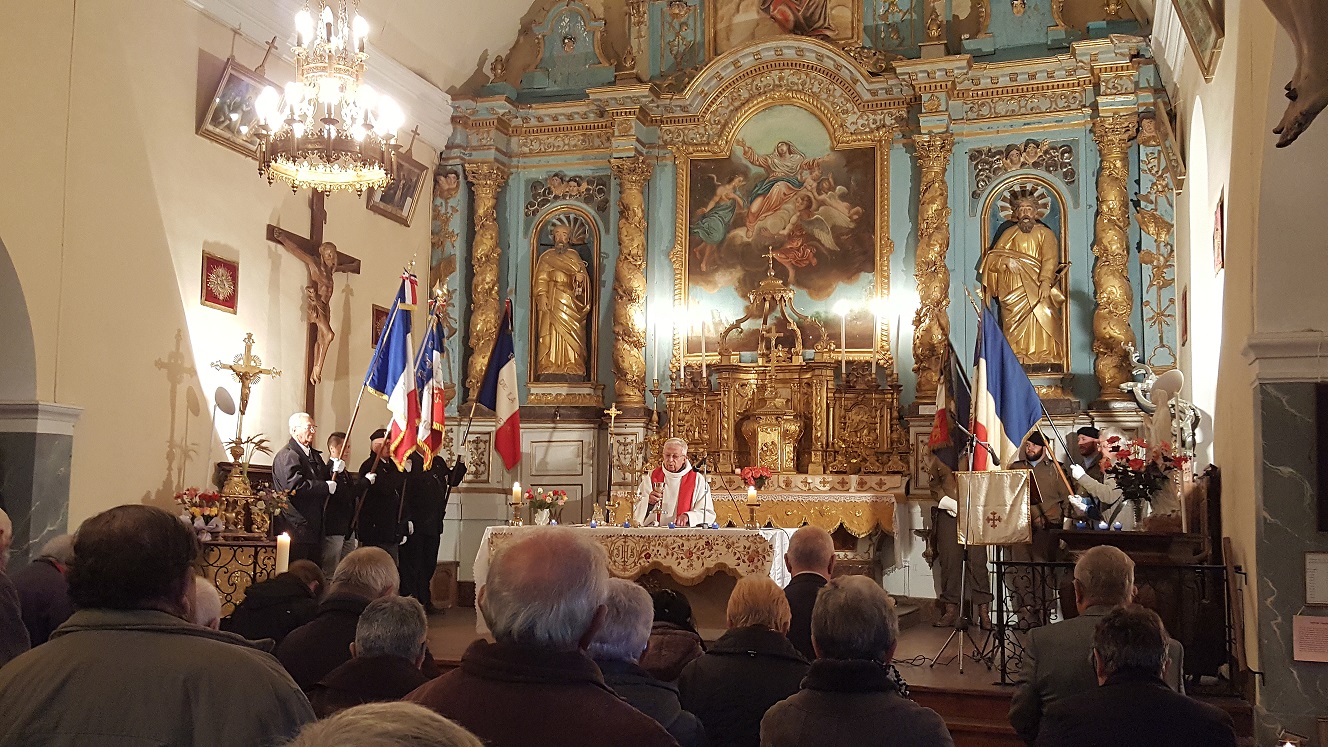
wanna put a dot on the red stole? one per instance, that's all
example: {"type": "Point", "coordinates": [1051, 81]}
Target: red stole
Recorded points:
{"type": "Point", "coordinates": [685, 490]}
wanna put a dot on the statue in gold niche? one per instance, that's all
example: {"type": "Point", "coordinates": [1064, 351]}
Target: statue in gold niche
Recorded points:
{"type": "Point", "coordinates": [1022, 271]}
{"type": "Point", "coordinates": [562, 301]}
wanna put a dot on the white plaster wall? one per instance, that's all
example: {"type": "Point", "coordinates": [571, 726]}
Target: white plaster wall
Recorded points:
{"type": "Point", "coordinates": [119, 199]}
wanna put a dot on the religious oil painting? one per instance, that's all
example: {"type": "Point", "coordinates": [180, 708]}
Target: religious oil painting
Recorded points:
{"type": "Point", "coordinates": [231, 118]}
{"type": "Point", "coordinates": [1219, 234]}
{"type": "Point", "coordinates": [398, 199]}
{"type": "Point", "coordinates": [784, 203]}
{"type": "Point", "coordinates": [733, 23]}
{"type": "Point", "coordinates": [1204, 30]}
{"type": "Point", "coordinates": [566, 247]}
{"type": "Point", "coordinates": [220, 285]}
{"type": "Point", "coordinates": [1023, 269]}
{"type": "Point", "coordinates": [379, 322]}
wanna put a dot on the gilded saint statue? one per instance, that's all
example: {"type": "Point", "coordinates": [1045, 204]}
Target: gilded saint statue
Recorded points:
{"type": "Point", "coordinates": [562, 302]}
{"type": "Point", "coordinates": [1022, 271]}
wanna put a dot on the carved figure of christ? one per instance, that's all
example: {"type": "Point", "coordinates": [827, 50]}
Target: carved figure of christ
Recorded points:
{"type": "Point", "coordinates": [322, 260]}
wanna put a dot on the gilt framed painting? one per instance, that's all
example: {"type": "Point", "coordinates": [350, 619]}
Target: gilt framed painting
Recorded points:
{"type": "Point", "coordinates": [397, 200]}
{"type": "Point", "coordinates": [220, 284]}
{"type": "Point", "coordinates": [231, 118]}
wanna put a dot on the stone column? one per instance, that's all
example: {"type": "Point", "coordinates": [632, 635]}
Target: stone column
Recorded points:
{"type": "Point", "coordinates": [1111, 278]}
{"type": "Point", "coordinates": [485, 181]}
{"type": "Point", "coordinates": [931, 322]}
{"type": "Point", "coordinates": [629, 282]}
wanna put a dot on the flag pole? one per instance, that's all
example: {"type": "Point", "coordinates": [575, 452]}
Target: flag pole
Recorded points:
{"type": "Point", "coordinates": [474, 403]}
{"type": "Point", "coordinates": [378, 350]}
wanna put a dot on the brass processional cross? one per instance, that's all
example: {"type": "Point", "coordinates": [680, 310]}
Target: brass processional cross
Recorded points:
{"type": "Point", "coordinates": [247, 369]}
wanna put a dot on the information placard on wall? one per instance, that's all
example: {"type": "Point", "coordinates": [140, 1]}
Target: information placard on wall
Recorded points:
{"type": "Point", "coordinates": [1316, 578]}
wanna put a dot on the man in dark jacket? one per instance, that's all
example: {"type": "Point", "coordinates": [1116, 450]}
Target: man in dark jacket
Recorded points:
{"type": "Point", "coordinates": [853, 694]}
{"type": "Point", "coordinates": [43, 591]}
{"type": "Point", "coordinates": [338, 539]}
{"type": "Point", "coordinates": [386, 656]}
{"type": "Point", "coordinates": [323, 644]}
{"type": "Point", "coordinates": [275, 607]}
{"type": "Point", "coordinates": [617, 649]}
{"type": "Point", "coordinates": [1132, 705]}
{"type": "Point", "coordinates": [300, 469]}
{"type": "Point", "coordinates": [811, 560]}
{"type": "Point", "coordinates": [750, 668]}
{"type": "Point", "coordinates": [543, 602]}
{"type": "Point", "coordinates": [427, 492]}
{"type": "Point", "coordinates": [381, 517]}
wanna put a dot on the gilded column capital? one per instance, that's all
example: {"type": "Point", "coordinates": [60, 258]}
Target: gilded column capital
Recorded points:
{"type": "Point", "coordinates": [1113, 134]}
{"type": "Point", "coordinates": [629, 281]}
{"type": "Point", "coordinates": [485, 178]}
{"type": "Point", "coordinates": [1112, 331]}
{"type": "Point", "coordinates": [931, 322]}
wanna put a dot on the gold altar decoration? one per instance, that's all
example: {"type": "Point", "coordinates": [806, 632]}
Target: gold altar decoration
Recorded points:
{"type": "Point", "coordinates": [686, 555]}
{"type": "Point", "coordinates": [931, 321]}
{"type": "Point", "coordinates": [629, 282]}
{"type": "Point", "coordinates": [1111, 247]}
{"type": "Point", "coordinates": [858, 513]}
{"type": "Point", "coordinates": [236, 492]}
{"type": "Point", "coordinates": [563, 296]}
{"type": "Point", "coordinates": [234, 566]}
{"type": "Point", "coordinates": [485, 180]}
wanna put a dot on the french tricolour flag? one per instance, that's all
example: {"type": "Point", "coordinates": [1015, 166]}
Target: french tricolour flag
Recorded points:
{"type": "Point", "coordinates": [1006, 407]}
{"type": "Point", "coordinates": [392, 376]}
{"type": "Point", "coordinates": [500, 395]}
{"type": "Point", "coordinates": [433, 395]}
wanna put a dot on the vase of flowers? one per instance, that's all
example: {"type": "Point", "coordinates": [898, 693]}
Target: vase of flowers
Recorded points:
{"type": "Point", "coordinates": [543, 503]}
{"type": "Point", "coordinates": [1141, 469]}
{"type": "Point", "coordinates": [755, 476]}
{"type": "Point", "coordinates": [202, 511]}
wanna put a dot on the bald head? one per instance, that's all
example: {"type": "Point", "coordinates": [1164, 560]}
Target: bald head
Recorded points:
{"type": "Point", "coordinates": [6, 537]}
{"type": "Point", "coordinates": [811, 550]}
{"type": "Point", "coordinates": [547, 589]}
{"type": "Point", "coordinates": [1103, 575]}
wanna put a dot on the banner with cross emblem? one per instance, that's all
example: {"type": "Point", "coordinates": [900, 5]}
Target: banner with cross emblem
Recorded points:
{"type": "Point", "coordinates": [994, 507]}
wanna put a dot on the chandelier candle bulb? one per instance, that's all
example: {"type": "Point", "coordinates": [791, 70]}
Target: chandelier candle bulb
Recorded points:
{"type": "Point", "coordinates": [283, 552]}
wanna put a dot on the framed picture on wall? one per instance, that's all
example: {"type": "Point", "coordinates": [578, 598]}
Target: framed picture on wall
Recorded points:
{"type": "Point", "coordinates": [231, 118]}
{"type": "Point", "coordinates": [1204, 30]}
{"type": "Point", "coordinates": [220, 284]}
{"type": "Point", "coordinates": [1220, 234]}
{"type": "Point", "coordinates": [379, 321]}
{"type": "Point", "coordinates": [1185, 316]}
{"type": "Point", "coordinates": [397, 201]}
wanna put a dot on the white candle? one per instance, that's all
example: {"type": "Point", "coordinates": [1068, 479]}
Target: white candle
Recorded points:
{"type": "Point", "coordinates": [751, 495]}
{"type": "Point", "coordinates": [516, 493]}
{"type": "Point", "coordinates": [703, 352]}
{"type": "Point", "coordinates": [682, 358]}
{"type": "Point", "coordinates": [283, 552]}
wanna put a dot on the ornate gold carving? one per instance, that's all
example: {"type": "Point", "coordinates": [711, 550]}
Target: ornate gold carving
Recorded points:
{"type": "Point", "coordinates": [861, 514]}
{"type": "Point", "coordinates": [485, 180]}
{"type": "Point", "coordinates": [1023, 104]}
{"type": "Point", "coordinates": [1022, 270]}
{"type": "Point", "coordinates": [565, 399]}
{"type": "Point", "coordinates": [1057, 8]}
{"type": "Point", "coordinates": [629, 281]}
{"type": "Point", "coordinates": [984, 16]}
{"type": "Point", "coordinates": [1111, 278]}
{"type": "Point", "coordinates": [931, 322]}
{"type": "Point", "coordinates": [477, 458]}
{"type": "Point", "coordinates": [560, 142]}
{"type": "Point", "coordinates": [1159, 260]}
{"type": "Point", "coordinates": [932, 104]}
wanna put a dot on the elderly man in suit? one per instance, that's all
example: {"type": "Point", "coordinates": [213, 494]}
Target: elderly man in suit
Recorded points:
{"type": "Point", "coordinates": [811, 560]}
{"type": "Point", "coordinates": [1056, 662]}
{"type": "Point", "coordinates": [1129, 657]}
{"type": "Point", "coordinates": [300, 468]}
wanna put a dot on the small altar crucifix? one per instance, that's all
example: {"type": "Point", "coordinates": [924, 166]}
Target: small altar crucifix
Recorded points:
{"type": "Point", "coordinates": [247, 369]}
{"type": "Point", "coordinates": [322, 259]}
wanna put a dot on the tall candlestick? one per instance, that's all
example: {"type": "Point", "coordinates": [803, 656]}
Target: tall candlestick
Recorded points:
{"type": "Point", "coordinates": [843, 345]}
{"type": "Point", "coordinates": [654, 358]}
{"type": "Point", "coordinates": [682, 358]}
{"type": "Point", "coordinates": [283, 552]}
{"type": "Point", "coordinates": [703, 352]}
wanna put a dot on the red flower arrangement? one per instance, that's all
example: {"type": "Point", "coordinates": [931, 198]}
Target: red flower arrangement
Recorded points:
{"type": "Point", "coordinates": [198, 503]}
{"type": "Point", "coordinates": [541, 499]}
{"type": "Point", "coordinates": [1140, 469]}
{"type": "Point", "coordinates": [755, 476]}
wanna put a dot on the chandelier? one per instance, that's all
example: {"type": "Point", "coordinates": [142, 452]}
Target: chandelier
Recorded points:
{"type": "Point", "coordinates": [328, 130]}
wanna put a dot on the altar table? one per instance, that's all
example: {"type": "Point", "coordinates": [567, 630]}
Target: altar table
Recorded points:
{"type": "Point", "coordinates": [688, 556]}
{"type": "Point", "coordinates": [235, 565]}
{"type": "Point", "coordinates": [861, 514]}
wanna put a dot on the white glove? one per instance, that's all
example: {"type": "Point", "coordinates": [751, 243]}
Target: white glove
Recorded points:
{"type": "Point", "coordinates": [949, 505]}
{"type": "Point", "coordinates": [338, 465]}
{"type": "Point", "coordinates": [1079, 502]}
{"type": "Point", "coordinates": [409, 464]}
{"type": "Point", "coordinates": [1077, 472]}
{"type": "Point", "coordinates": [410, 528]}
{"type": "Point", "coordinates": [402, 542]}
{"type": "Point", "coordinates": [332, 487]}
{"type": "Point", "coordinates": [371, 477]}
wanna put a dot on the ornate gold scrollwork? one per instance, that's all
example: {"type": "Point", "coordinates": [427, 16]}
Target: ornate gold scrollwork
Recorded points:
{"type": "Point", "coordinates": [1111, 278]}
{"type": "Point", "coordinates": [629, 281]}
{"type": "Point", "coordinates": [485, 180]}
{"type": "Point", "coordinates": [931, 322]}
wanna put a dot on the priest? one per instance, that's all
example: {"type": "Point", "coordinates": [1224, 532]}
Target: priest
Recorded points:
{"type": "Point", "coordinates": [674, 492]}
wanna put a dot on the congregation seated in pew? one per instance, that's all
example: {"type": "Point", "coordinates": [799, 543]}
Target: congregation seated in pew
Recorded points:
{"type": "Point", "coordinates": [386, 656]}
{"type": "Point", "coordinates": [276, 606]}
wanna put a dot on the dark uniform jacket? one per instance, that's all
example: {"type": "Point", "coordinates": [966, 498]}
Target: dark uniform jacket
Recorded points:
{"type": "Point", "coordinates": [427, 493]}
{"type": "Point", "coordinates": [381, 514]}
{"type": "Point", "coordinates": [307, 477]}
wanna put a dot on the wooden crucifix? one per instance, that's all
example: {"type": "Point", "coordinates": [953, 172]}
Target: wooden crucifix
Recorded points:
{"type": "Point", "coordinates": [322, 259]}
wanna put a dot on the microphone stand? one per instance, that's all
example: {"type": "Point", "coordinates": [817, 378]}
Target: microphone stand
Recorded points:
{"type": "Point", "coordinates": [962, 622]}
